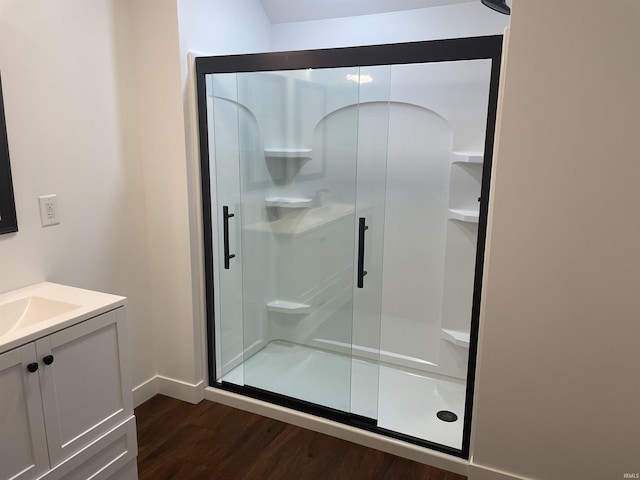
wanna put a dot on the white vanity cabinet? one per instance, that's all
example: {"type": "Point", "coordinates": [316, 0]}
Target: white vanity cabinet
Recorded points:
{"type": "Point", "coordinates": [23, 444]}
{"type": "Point", "coordinates": [66, 408]}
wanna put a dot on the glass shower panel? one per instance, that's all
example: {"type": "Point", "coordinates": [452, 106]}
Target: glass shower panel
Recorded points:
{"type": "Point", "coordinates": [223, 112]}
{"type": "Point", "coordinates": [298, 134]}
{"type": "Point", "coordinates": [373, 122]}
{"type": "Point", "coordinates": [438, 115]}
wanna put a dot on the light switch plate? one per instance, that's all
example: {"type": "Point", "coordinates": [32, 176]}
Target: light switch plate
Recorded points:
{"type": "Point", "coordinates": [49, 210]}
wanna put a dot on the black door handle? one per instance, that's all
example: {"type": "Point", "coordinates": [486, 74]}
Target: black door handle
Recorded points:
{"type": "Point", "coordinates": [32, 367]}
{"type": "Point", "coordinates": [47, 359]}
{"type": "Point", "coordinates": [227, 256]}
{"type": "Point", "coordinates": [362, 227]}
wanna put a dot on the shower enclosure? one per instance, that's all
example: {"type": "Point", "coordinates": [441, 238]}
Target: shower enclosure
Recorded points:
{"type": "Point", "coordinates": [345, 198]}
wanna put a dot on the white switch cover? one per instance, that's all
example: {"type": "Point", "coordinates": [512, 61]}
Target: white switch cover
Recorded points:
{"type": "Point", "coordinates": [49, 210]}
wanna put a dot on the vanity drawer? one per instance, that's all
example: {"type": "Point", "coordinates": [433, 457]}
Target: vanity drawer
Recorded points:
{"type": "Point", "coordinates": [103, 459]}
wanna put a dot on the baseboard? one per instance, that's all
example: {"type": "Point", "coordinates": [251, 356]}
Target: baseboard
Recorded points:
{"type": "Point", "coordinates": [145, 391]}
{"type": "Point", "coordinates": [339, 430]}
{"type": "Point", "coordinates": [187, 392]}
{"type": "Point", "coordinates": [479, 472]}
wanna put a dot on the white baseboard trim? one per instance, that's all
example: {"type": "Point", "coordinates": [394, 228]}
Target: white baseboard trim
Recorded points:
{"type": "Point", "coordinates": [145, 391]}
{"type": "Point", "coordinates": [187, 392]}
{"type": "Point", "coordinates": [339, 430]}
{"type": "Point", "coordinates": [479, 472]}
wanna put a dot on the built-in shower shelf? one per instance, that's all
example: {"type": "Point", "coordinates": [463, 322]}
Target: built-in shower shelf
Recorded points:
{"type": "Point", "coordinates": [288, 153]}
{"type": "Point", "coordinates": [458, 338]}
{"type": "Point", "coordinates": [470, 216]}
{"type": "Point", "coordinates": [288, 202]}
{"type": "Point", "coordinates": [283, 306]}
{"type": "Point", "coordinates": [468, 157]}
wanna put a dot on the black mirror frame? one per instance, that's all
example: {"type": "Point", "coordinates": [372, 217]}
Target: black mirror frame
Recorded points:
{"type": "Point", "coordinates": [8, 218]}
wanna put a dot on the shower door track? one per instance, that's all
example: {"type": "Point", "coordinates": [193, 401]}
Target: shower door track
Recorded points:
{"type": "Point", "coordinates": [334, 415]}
{"type": "Point", "coordinates": [448, 50]}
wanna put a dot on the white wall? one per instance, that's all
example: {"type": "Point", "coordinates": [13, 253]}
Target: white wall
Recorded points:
{"type": "Point", "coordinates": [558, 383]}
{"type": "Point", "coordinates": [222, 27]}
{"type": "Point", "coordinates": [451, 21]}
{"type": "Point", "coordinates": [162, 151]}
{"type": "Point", "coordinates": [67, 75]}
{"type": "Point", "coordinates": [165, 31]}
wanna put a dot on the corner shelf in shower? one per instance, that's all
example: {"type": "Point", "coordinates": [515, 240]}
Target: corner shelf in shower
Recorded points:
{"type": "Point", "coordinates": [290, 308]}
{"type": "Point", "coordinates": [468, 157]}
{"type": "Point", "coordinates": [288, 202]}
{"type": "Point", "coordinates": [288, 153]}
{"type": "Point", "coordinates": [456, 337]}
{"type": "Point", "coordinates": [470, 216]}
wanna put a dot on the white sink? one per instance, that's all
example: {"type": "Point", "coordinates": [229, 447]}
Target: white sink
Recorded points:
{"type": "Point", "coordinates": [29, 311]}
{"type": "Point", "coordinates": [38, 310]}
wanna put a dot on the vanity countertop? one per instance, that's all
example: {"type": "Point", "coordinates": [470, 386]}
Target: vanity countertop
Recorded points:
{"type": "Point", "coordinates": [304, 221]}
{"type": "Point", "coordinates": [38, 310]}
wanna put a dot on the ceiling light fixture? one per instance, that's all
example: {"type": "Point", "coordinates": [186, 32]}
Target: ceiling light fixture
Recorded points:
{"type": "Point", "coordinates": [359, 78]}
{"type": "Point", "coordinates": [498, 5]}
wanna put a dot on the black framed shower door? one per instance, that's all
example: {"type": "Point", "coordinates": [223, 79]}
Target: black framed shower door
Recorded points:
{"type": "Point", "coordinates": [263, 145]}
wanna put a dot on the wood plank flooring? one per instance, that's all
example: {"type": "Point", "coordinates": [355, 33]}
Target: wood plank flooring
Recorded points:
{"type": "Point", "coordinates": [181, 441]}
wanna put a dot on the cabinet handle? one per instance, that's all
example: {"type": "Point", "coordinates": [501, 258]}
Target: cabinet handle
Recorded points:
{"type": "Point", "coordinates": [32, 367]}
{"type": "Point", "coordinates": [361, 271]}
{"type": "Point", "coordinates": [48, 359]}
{"type": "Point", "coordinates": [227, 256]}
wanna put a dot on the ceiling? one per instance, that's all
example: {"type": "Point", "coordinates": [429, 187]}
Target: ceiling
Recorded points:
{"type": "Point", "coordinates": [285, 11]}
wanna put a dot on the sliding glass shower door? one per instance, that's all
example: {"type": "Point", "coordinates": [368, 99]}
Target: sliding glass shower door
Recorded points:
{"type": "Point", "coordinates": [345, 220]}
{"type": "Point", "coordinates": [288, 222]}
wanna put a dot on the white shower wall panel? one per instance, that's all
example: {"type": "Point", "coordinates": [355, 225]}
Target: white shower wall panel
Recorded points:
{"type": "Point", "coordinates": [429, 260]}
{"type": "Point", "coordinates": [415, 231]}
{"type": "Point", "coordinates": [457, 91]}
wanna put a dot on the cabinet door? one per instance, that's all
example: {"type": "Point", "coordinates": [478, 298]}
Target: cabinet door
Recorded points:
{"type": "Point", "coordinates": [23, 448]}
{"type": "Point", "coordinates": [85, 389]}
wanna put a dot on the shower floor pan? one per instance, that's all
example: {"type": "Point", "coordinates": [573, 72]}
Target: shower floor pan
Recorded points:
{"type": "Point", "coordinates": [403, 401]}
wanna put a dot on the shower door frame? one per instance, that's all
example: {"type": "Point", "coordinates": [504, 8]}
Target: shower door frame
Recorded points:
{"type": "Point", "coordinates": [448, 50]}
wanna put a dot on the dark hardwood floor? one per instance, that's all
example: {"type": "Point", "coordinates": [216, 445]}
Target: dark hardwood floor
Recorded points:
{"type": "Point", "coordinates": [178, 440]}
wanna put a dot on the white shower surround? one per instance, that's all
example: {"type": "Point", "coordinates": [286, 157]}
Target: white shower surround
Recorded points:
{"type": "Point", "coordinates": [424, 98]}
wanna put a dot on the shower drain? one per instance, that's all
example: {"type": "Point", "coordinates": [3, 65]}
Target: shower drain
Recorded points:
{"type": "Point", "coordinates": [447, 416]}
